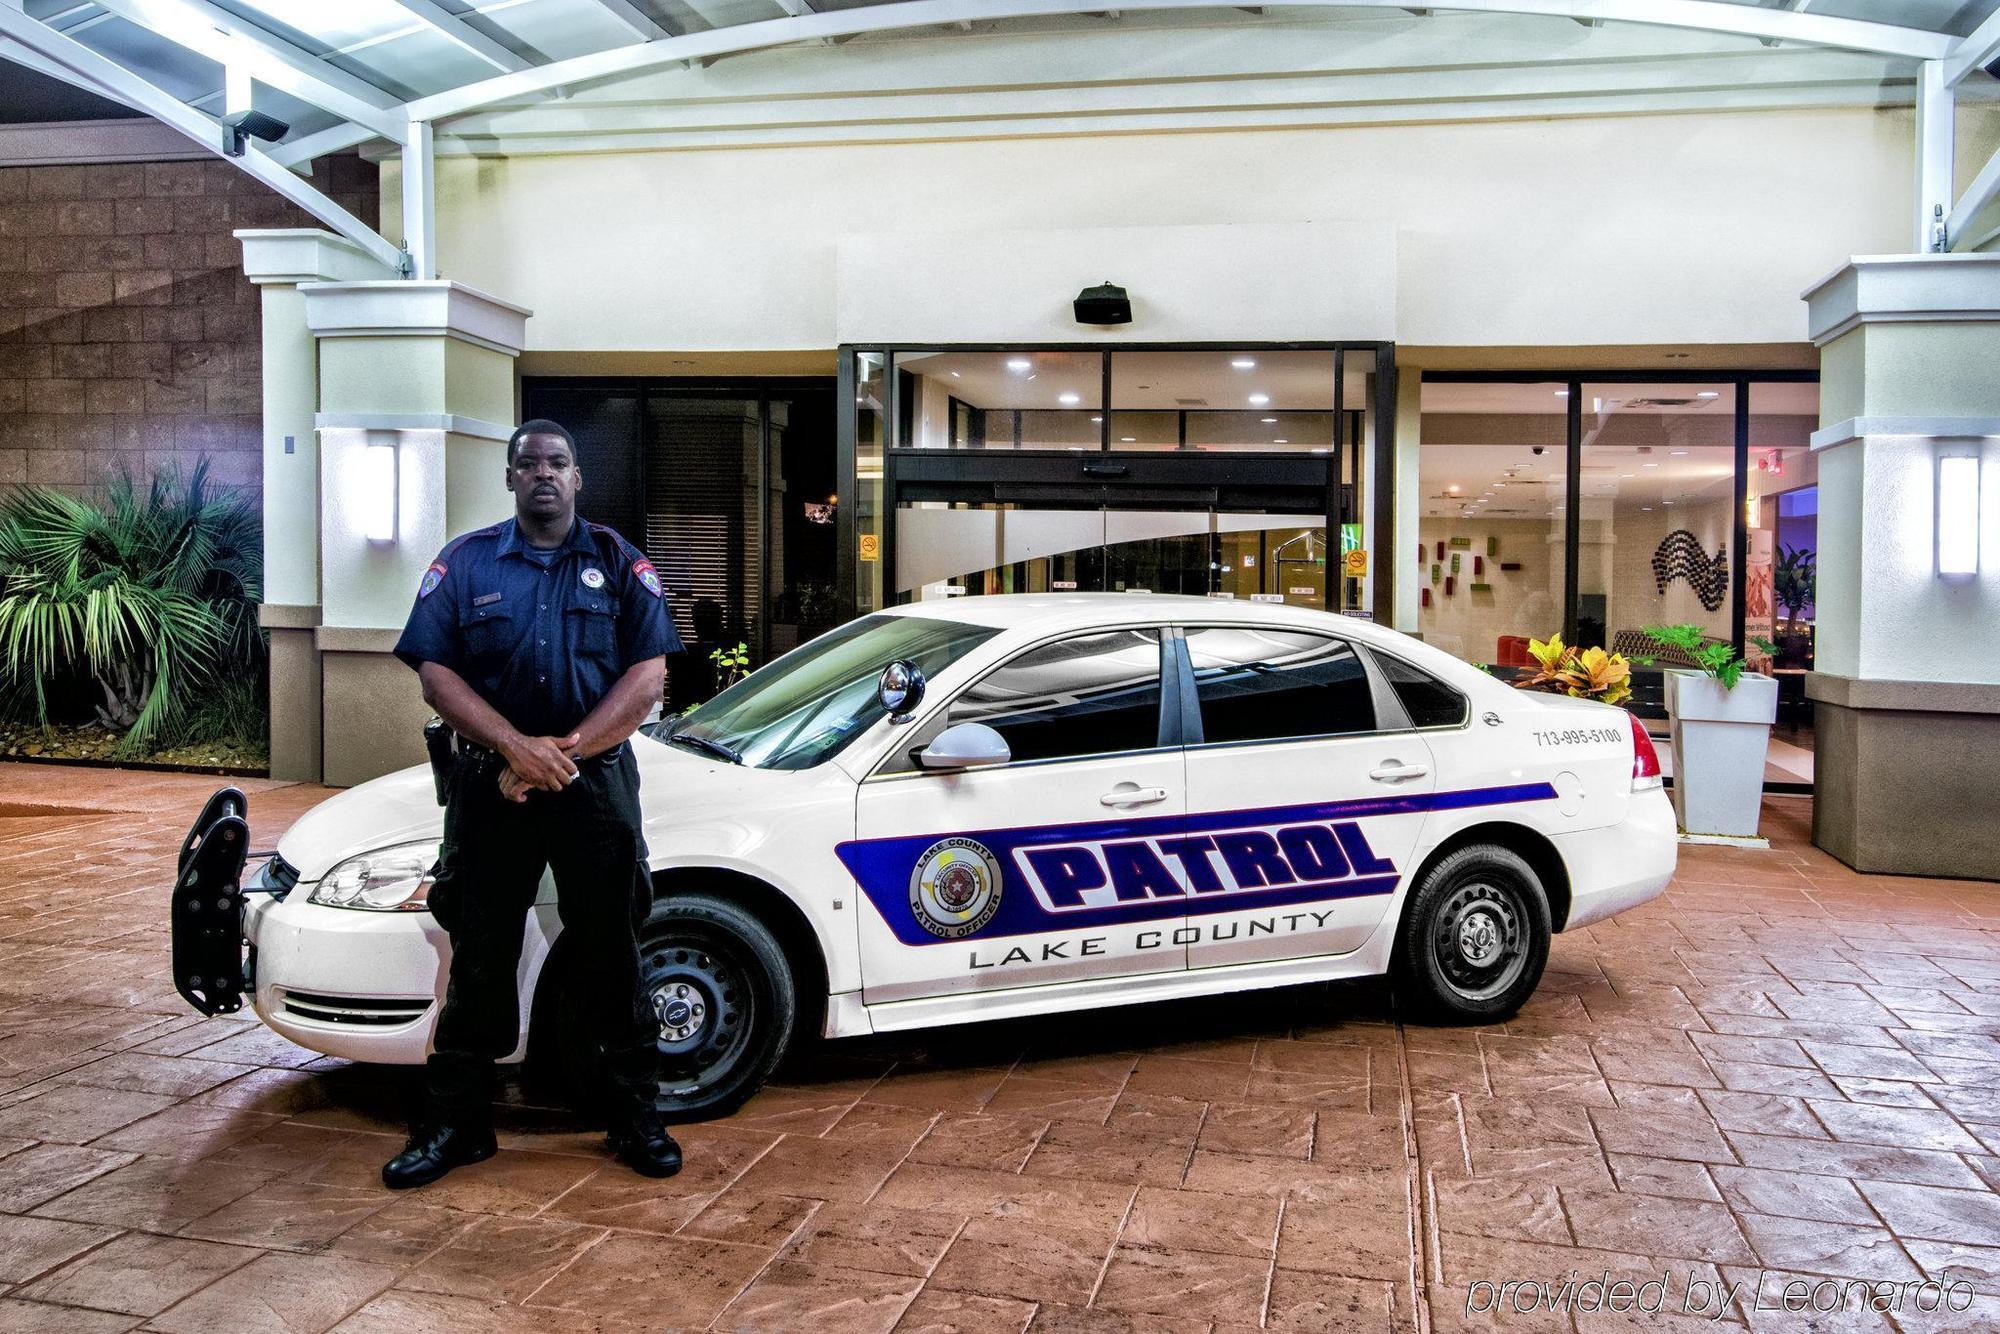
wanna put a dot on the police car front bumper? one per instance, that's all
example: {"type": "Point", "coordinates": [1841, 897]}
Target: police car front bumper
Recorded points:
{"type": "Point", "coordinates": [358, 985]}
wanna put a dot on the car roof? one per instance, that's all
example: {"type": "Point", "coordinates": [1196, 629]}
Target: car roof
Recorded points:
{"type": "Point", "coordinates": [1008, 611]}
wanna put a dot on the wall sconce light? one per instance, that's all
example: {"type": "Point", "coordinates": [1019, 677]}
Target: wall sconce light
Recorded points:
{"type": "Point", "coordinates": [1958, 514]}
{"type": "Point", "coordinates": [379, 493]}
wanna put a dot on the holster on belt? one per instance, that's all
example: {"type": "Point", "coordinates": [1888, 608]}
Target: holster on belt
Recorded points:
{"type": "Point", "coordinates": [437, 741]}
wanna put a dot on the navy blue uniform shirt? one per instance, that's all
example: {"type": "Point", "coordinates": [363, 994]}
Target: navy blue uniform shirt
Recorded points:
{"type": "Point", "coordinates": [542, 636]}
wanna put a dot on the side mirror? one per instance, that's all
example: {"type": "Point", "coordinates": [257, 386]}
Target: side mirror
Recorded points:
{"type": "Point", "coordinates": [900, 689]}
{"type": "Point", "coordinates": [965, 746]}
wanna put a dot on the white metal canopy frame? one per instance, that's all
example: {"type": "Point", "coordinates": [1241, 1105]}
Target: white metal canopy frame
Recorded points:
{"type": "Point", "coordinates": [345, 74]}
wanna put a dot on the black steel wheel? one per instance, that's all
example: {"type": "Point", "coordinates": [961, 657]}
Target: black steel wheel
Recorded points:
{"type": "Point", "coordinates": [722, 990]}
{"type": "Point", "coordinates": [1474, 937]}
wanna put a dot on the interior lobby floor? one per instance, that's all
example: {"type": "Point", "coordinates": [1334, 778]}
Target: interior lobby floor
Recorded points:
{"type": "Point", "coordinates": [1780, 1072]}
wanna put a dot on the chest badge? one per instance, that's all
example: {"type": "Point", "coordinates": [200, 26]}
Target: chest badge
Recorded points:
{"type": "Point", "coordinates": [593, 578]}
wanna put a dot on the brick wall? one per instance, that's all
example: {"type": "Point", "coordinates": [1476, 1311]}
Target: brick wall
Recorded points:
{"type": "Point", "coordinates": [129, 337]}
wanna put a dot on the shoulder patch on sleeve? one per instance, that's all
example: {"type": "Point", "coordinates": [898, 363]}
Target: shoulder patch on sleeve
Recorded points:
{"type": "Point", "coordinates": [648, 576]}
{"type": "Point", "coordinates": [432, 578]}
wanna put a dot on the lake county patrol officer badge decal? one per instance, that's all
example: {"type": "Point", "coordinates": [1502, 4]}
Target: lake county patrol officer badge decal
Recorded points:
{"type": "Point", "coordinates": [593, 578]}
{"type": "Point", "coordinates": [955, 888]}
{"type": "Point", "coordinates": [432, 578]}
{"type": "Point", "coordinates": [647, 575]}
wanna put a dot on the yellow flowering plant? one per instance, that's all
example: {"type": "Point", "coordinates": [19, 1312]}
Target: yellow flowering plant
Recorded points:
{"type": "Point", "coordinates": [1579, 673]}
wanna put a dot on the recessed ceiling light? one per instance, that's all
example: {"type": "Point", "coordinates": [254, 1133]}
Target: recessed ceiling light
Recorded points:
{"type": "Point", "coordinates": [1281, 441]}
{"type": "Point", "coordinates": [1677, 453]}
{"type": "Point", "coordinates": [1259, 400]}
{"type": "Point", "coordinates": [1499, 484]}
{"type": "Point", "coordinates": [1452, 489]}
{"type": "Point", "coordinates": [1069, 400]}
{"type": "Point", "coordinates": [1562, 393]}
{"type": "Point", "coordinates": [1097, 419]}
{"type": "Point", "coordinates": [1666, 502]}
{"type": "Point", "coordinates": [1128, 439]}
{"type": "Point", "coordinates": [1628, 474]}
{"type": "Point", "coordinates": [1649, 465]}
{"type": "Point", "coordinates": [1270, 421]}
{"type": "Point", "coordinates": [1709, 393]}
{"type": "Point", "coordinates": [956, 376]}
{"type": "Point", "coordinates": [1245, 363]}
{"type": "Point", "coordinates": [1645, 509]}
{"type": "Point", "coordinates": [1018, 363]}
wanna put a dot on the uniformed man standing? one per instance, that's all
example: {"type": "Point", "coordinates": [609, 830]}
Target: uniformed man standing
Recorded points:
{"type": "Point", "coordinates": [542, 641]}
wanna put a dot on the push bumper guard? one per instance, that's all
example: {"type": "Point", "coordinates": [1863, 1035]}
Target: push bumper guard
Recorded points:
{"type": "Point", "coordinates": [208, 905]}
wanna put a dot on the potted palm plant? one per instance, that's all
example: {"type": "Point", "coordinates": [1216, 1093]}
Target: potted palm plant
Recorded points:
{"type": "Point", "coordinates": [1719, 716]}
{"type": "Point", "coordinates": [1793, 581]}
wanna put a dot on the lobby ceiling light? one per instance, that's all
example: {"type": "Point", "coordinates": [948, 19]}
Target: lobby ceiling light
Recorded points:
{"type": "Point", "coordinates": [1281, 441]}
{"type": "Point", "coordinates": [1097, 419]}
{"type": "Point", "coordinates": [1709, 393]}
{"type": "Point", "coordinates": [1069, 400]}
{"type": "Point", "coordinates": [1259, 400]}
{"type": "Point", "coordinates": [1649, 465]}
{"type": "Point", "coordinates": [1562, 393]}
{"type": "Point", "coordinates": [1269, 421]}
{"type": "Point", "coordinates": [1128, 439]}
{"type": "Point", "coordinates": [1678, 453]}
{"type": "Point", "coordinates": [1018, 364]}
{"type": "Point", "coordinates": [1245, 363]}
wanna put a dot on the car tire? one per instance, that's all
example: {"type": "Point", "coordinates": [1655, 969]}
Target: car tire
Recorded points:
{"type": "Point", "coordinates": [1474, 937]}
{"type": "Point", "coordinates": [727, 1003]}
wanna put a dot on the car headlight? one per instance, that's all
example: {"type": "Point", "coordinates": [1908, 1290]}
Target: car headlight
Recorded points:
{"type": "Point", "coordinates": [396, 879]}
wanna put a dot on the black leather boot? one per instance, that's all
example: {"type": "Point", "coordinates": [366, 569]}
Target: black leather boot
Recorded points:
{"type": "Point", "coordinates": [434, 1151]}
{"type": "Point", "coordinates": [640, 1139]}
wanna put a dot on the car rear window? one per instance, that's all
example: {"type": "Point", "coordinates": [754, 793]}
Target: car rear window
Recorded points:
{"type": "Point", "coordinates": [1270, 685]}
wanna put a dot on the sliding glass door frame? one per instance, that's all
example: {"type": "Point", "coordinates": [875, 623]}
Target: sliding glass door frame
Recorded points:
{"type": "Point", "coordinates": [1111, 476]}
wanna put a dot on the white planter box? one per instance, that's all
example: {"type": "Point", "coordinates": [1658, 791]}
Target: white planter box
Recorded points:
{"type": "Point", "coordinates": [1718, 741]}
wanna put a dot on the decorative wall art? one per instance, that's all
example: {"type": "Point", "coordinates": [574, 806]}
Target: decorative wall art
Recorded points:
{"type": "Point", "coordinates": [1427, 597]}
{"type": "Point", "coordinates": [1478, 565]}
{"type": "Point", "coordinates": [1454, 562]}
{"type": "Point", "coordinates": [1450, 582]}
{"type": "Point", "coordinates": [1440, 554]}
{"type": "Point", "coordinates": [1461, 541]}
{"type": "Point", "coordinates": [1437, 573]}
{"type": "Point", "coordinates": [1680, 556]}
{"type": "Point", "coordinates": [1492, 545]}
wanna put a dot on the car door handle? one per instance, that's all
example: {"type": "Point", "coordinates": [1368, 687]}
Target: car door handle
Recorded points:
{"type": "Point", "coordinates": [1394, 772]}
{"type": "Point", "coordinates": [1127, 795]}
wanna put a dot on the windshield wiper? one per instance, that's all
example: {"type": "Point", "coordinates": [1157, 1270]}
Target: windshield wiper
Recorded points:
{"type": "Point", "coordinates": [702, 743]}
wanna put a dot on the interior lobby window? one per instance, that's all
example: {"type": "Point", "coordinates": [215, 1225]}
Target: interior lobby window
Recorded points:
{"type": "Point", "coordinates": [1781, 580]}
{"type": "Point", "coordinates": [868, 418]}
{"type": "Point", "coordinates": [1658, 514]}
{"type": "Point", "coordinates": [1488, 552]}
{"type": "Point", "coordinates": [1246, 401]}
{"type": "Point", "coordinates": [1000, 400]}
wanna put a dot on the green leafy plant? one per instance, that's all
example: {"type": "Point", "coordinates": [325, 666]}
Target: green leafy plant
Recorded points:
{"type": "Point", "coordinates": [731, 665]}
{"type": "Point", "coordinates": [1794, 581]}
{"type": "Point", "coordinates": [153, 595]}
{"type": "Point", "coordinates": [1714, 658]}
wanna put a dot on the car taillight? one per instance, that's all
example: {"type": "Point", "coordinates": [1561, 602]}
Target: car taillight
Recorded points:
{"type": "Point", "coordinates": [1645, 760]}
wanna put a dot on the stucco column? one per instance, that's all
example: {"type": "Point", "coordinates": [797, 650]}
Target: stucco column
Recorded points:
{"type": "Point", "coordinates": [416, 400]}
{"type": "Point", "coordinates": [1907, 679]}
{"type": "Point", "coordinates": [278, 261]}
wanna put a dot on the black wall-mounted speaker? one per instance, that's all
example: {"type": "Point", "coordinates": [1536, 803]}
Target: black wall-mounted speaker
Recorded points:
{"type": "Point", "coordinates": [1106, 303]}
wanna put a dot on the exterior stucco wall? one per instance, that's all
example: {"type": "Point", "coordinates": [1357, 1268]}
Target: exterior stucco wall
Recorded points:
{"type": "Point", "coordinates": [1686, 229]}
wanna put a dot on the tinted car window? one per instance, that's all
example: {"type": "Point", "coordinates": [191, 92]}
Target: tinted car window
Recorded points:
{"type": "Point", "coordinates": [1428, 701]}
{"type": "Point", "coordinates": [1268, 685]}
{"type": "Point", "coordinates": [1091, 695]}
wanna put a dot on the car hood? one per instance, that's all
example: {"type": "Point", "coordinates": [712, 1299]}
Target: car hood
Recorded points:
{"type": "Point", "coordinates": [402, 807]}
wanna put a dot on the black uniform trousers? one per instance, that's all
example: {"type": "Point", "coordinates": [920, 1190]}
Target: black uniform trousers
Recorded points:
{"type": "Point", "coordinates": [489, 868]}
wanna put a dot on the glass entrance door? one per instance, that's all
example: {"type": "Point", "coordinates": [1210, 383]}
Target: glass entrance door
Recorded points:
{"type": "Point", "coordinates": [947, 550]}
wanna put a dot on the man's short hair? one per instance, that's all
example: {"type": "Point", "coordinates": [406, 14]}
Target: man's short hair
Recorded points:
{"type": "Point", "coordinates": [539, 426]}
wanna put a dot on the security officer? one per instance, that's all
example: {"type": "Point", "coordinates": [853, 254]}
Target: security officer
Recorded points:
{"type": "Point", "coordinates": [542, 642]}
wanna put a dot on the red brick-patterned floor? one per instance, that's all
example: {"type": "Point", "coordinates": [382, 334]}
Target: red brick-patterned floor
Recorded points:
{"type": "Point", "coordinates": [1782, 1071]}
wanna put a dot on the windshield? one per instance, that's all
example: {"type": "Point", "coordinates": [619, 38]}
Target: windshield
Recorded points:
{"type": "Point", "coordinates": [806, 706]}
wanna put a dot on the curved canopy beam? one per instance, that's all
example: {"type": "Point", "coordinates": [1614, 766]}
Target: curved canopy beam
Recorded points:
{"type": "Point", "coordinates": [1701, 15]}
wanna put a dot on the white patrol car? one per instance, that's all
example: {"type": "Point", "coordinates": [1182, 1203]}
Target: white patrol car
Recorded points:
{"type": "Point", "coordinates": [1000, 806]}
